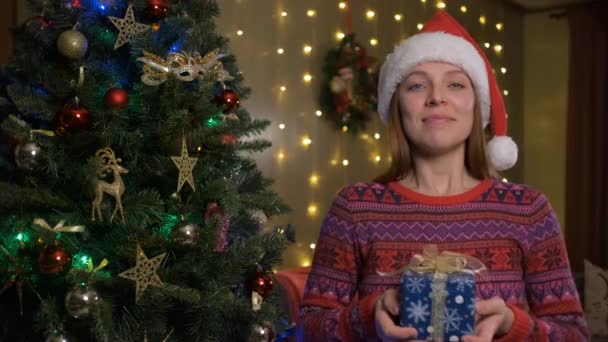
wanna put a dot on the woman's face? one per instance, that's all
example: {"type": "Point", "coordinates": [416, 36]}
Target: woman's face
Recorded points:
{"type": "Point", "coordinates": [437, 103]}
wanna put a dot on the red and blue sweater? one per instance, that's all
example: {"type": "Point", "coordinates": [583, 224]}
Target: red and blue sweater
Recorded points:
{"type": "Point", "coordinates": [373, 227]}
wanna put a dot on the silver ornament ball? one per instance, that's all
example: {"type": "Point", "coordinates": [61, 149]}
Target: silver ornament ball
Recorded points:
{"type": "Point", "coordinates": [80, 299]}
{"type": "Point", "coordinates": [27, 154]}
{"type": "Point", "coordinates": [185, 234]}
{"type": "Point", "coordinates": [263, 332]}
{"type": "Point", "coordinates": [72, 44]}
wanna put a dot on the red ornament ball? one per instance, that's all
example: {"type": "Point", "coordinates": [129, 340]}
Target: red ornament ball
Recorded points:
{"type": "Point", "coordinates": [262, 284]}
{"type": "Point", "coordinates": [54, 259]}
{"type": "Point", "coordinates": [156, 9]}
{"type": "Point", "coordinates": [229, 139]}
{"type": "Point", "coordinates": [116, 98]}
{"type": "Point", "coordinates": [72, 118]}
{"type": "Point", "coordinates": [229, 100]}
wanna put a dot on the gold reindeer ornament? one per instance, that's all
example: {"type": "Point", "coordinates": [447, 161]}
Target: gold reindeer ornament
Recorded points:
{"type": "Point", "coordinates": [106, 163]}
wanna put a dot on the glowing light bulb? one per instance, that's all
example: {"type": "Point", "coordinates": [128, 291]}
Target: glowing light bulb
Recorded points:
{"type": "Point", "coordinates": [487, 45]}
{"type": "Point", "coordinates": [282, 126]}
{"type": "Point", "coordinates": [345, 162]}
{"type": "Point", "coordinates": [313, 179]}
{"type": "Point", "coordinates": [505, 92]}
{"type": "Point", "coordinates": [499, 26]}
{"type": "Point", "coordinates": [307, 49]}
{"type": "Point", "coordinates": [482, 20]}
{"type": "Point", "coordinates": [283, 14]}
{"type": "Point", "coordinates": [340, 35]}
{"type": "Point", "coordinates": [344, 129]}
{"type": "Point", "coordinates": [280, 51]}
{"type": "Point", "coordinates": [283, 88]}
{"type": "Point", "coordinates": [342, 5]}
{"type": "Point", "coordinates": [370, 14]}
{"type": "Point", "coordinates": [311, 13]}
{"type": "Point", "coordinates": [377, 159]}
{"type": "Point", "coordinates": [503, 70]}
{"type": "Point", "coordinates": [463, 9]}
{"type": "Point", "coordinates": [398, 17]}
{"type": "Point", "coordinates": [312, 209]}
{"type": "Point", "coordinates": [373, 42]}
{"type": "Point", "coordinates": [313, 246]}
{"type": "Point", "coordinates": [377, 136]}
{"type": "Point", "coordinates": [280, 156]}
{"type": "Point", "coordinates": [419, 26]}
{"type": "Point", "coordinates": [239, 32]}
{"type": "Point", "coordinates": [498, 48]}
{"type": "Point", "coordinates": [307, 77]}
{"type": "Point", "coordinates": [333, 162]}
{"type": "Point", "coordinates": [306, 141]}
{"type": "Point", "coordinates": [440, 4]}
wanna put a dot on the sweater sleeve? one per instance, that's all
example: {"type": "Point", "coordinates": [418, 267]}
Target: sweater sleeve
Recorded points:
{"type": "Point", "coordinates": [555, 311]}
{"type": "Point", "coordinates": [330, 309]}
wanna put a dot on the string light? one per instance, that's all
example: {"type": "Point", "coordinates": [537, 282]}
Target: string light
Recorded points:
{"type": "Point", "coordinates": [307, 49]}
{"type": "Point", "coordinates": [342, 5]}
{"type": "Point", "coordinates": [377, 136]}
{"type": "Point", "coordinates": [487, 45]}
{"type": "Point", "coordinates": [373, 42]}
{"type": "Point", "coordinates": [282, 126]}
{"type": "Point", "coordinates": [505, 92]}
{"type": "Point", "coordinates": [280, 51]}
{"type": "Point", "coordinates": [377, 158]}
{"type": "Point", "coordinates": [499, 26]}
{"type": "Point", "coordinates": [306, 141]}
{"type": "Point", "coordinates": [505, 180]}
{"type": "Point", "coordinates": [283, 88]}
{"type": "Point", "coordinates": [239, 32]}
{"type": "Point", "coordinates": [333, 162]}
{"type": "Point", "coordinates": [313, 246]}
{"type": "Point", "coordinates": [305, 263]}
{"type": "Point", "coordinates": [423, 1]}
{"type": "Point", "coordinates": [503, 70]}
{"type": "Point", "coordinates": [370, 14]}
{"type": "Point", "coordinates": [280, 156]}
{"type": "Point", "coordinates": [344, 129]}
{"type": "Point", "coordinates": [312, 209]}
{"type": "Point", "coordinates": [482, 20]}
{"type": "Point", "coordinates": [398, 17]}
{"type": "Point", "coordinates": [339, 35]}
{"type": "Point", "coordinates": [311, 13]}
{"type": "Point", "coordinates": [307, 77]}
{"type": "Point", "coordinates": [497, 48]}
{"type": "Point", "coordinates": [345, 162]}
{"type": "Point", "coordinates": [318, 113]}
{"type": "Point", "coordinates": [463, 9]}
{"type": "Point", "coordinates": [313, 179]}
{"type": "Point", "coordinates": [440, 4]}
{"type": "Point", "coordinates": [419, 26]}
{"type": "Point", "coordinates": [283, 14]}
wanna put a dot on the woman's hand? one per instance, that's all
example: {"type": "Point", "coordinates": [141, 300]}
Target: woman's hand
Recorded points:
{"type": "Point", "coordinates": [494, 319]}
{"type": "Point", "coordinates": [387, 307]}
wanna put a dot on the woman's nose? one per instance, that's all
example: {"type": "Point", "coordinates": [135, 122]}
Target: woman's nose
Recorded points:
{"type": "Point", "coordinates": [435, 97]}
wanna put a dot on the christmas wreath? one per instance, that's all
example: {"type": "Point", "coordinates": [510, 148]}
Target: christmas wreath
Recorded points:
{"type": "Point", "coordinates": [348, 96]}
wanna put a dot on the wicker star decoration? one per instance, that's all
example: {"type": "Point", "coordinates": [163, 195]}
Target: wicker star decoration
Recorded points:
{"type": "Point", "coordinates": [144, 273]}
{"type": "Point", "coordinates": [185, 164]}
{"type": "Point", "coordinates": [127, 27]}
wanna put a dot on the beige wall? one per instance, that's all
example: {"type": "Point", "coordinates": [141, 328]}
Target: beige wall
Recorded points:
{"type": "Point", "coordinates": [546, 56]}
{"type": "Point", "coordinates": [265, 30]}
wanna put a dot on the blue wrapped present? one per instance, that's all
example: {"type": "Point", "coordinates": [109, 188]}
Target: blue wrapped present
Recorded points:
{"type": "Point", "coordinates": [438, 295]}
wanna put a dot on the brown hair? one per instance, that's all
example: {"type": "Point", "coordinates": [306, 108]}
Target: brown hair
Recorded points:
{"type": "Point", "coordinates": [402, 162]}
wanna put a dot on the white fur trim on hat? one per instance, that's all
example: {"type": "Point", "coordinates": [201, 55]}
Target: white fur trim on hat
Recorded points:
{"type": "Point", "coordinates": [433, 47]}
{"type": "Point", "coordinates": [502, 152]}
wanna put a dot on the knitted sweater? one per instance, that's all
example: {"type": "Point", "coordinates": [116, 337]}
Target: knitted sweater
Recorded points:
{"type": "Point", "coordinates": [373, 227]}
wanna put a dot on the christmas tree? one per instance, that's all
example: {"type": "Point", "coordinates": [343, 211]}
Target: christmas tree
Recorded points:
{"type": "Point", "coordinates": [130, 209]}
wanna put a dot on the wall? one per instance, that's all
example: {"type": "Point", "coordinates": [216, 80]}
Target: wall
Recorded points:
{"type": "Point", "coordinates": [546, 64]}
{"type": "Point", "coordinates": [264, 30]}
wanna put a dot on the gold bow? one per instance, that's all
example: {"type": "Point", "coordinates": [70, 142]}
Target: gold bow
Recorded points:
{"type": "Point", "coordinates": [91, 269]}
{"type": "Point", "coordinates": [186, 67]}
{"type": "Point", "coordinates": [59, 227]}
{"type": "Point", "coordinates": [445, 262]}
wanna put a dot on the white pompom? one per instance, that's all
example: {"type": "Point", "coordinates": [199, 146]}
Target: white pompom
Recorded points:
{"type": "Point", "coordinates": [502, 152]}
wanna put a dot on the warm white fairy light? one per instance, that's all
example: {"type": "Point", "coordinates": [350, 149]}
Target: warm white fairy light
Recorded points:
{"type": "Point", "coordinates": [307, 49]}
{"type": "Point", "coordinates": [503, 70]}
{"type": "Point", "coordinates": [482, 20]}
{"type": "Point", "coordinates": [282, 126]}
{"type": "Point", "coordinates": [283, 88]}
{"type": "Point", "coordinates": [463, 9]}
{"type": "Point", "coordinates": [312, 209]}
{"type": "Point", "coordinates": [398, 17]}
{"type": "Point", "coordinates": [370, 14]}
{"type": "Point", "coordinates": [373, 42]}
{"type": "Point", "coordinates": [313, 246]}
{"type": "Point", "coordinates": [440, 4]}
{"type": "Point", "coordinates": [313, 180]}
{"type": "Point", "coordinates": [318, 113]}
{"type": "Point", "coordinates": [283, 14]}
{"type": "Point", "coordinates": [377, 159]}
{"type": "Point", "coordinates": [423, 1]}
{"type": "Point", "coordinates": [340, 35]}
{"type": "Point", "coordinates": [333, 162]}
{"type": "Point", "coordinates": [342, 5]}
{"type": "Point", "coordinates": [280, 156]}
{"type": "Point", "coordinates": [239, 32]}
{"type": "Point", "coordinates": [505, 180]}
{"type": "Point", "coordinates": [499, 26]}
{"type": "Point", "coordinates": [345, 162]}
{"type": "Point", "coordinates": [505, 92]}
{"type": "Point", "coordinates": [305, 262]}
{"type": "Point", "coordinates": [487, 45]}
{"type": "Point", "coordinates": [377, 136]}
{"type": "Point", "coordinates": [311, 13]}
{"type": "Point", "coordinates": [280, 51]}
{"type": "Point", "coordinates": [344, 129]}
{"type": "Point", "coordinates": [419, 26]}
{"type": "Point", "coordinates": [307, 77]}
{"type": "Point", "coordinates": [498, 48]}
{"type": "Point", "coordinates": [306, 141]}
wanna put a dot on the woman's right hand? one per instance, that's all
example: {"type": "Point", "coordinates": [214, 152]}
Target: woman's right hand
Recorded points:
{"type": "Point", "coordinates": [387, 307]}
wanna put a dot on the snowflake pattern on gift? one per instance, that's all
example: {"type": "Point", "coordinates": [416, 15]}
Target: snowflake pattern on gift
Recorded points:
{"type": "Point", "coordinates": [463, 283]}
{"type": "Point", "coordinates": [418, 312]}
{"type": "Point", "coordinates": [415, 285]}
{"type": "Point", "coordinates": [452, 320]}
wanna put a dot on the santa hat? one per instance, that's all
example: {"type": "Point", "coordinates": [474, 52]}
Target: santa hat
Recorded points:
{"type": "Point", "coordinates": [444, 40]}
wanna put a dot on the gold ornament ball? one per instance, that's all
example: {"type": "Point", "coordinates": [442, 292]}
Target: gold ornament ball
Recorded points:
{"type": "Point", "coordinates": [72, 44]}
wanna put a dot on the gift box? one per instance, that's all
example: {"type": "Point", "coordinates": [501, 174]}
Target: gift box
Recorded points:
{"type": "Point", "coordinates": [438, 295]}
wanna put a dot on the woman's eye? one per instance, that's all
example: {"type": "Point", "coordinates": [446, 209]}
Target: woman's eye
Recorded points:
{"type": "Point", "coordinates": [415, 86]}
{"type": "Point", "coordinates": [457, 85]}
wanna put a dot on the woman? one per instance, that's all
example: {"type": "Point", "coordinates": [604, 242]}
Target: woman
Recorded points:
{"type": "Point", "coordinates": [437, 93]}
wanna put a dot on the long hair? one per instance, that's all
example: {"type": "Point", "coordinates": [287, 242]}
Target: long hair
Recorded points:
{"type": "Point", "coordinates": [402, 162]}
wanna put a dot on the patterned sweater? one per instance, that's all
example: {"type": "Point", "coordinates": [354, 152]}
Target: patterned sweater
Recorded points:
{"type": "Point", "coordinates": [373, 227]}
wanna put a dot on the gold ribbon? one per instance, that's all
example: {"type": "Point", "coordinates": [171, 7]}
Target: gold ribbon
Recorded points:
{"type": "Point", "coordinates": [59, 227]}
{"type": "Point", "coordinates": [185, 67]}
{"type": "Point", "coordinates": [91, 269]}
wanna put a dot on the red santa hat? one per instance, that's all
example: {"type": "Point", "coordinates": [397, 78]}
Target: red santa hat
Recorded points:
{"type": "Point", "coordinates": [443, 39]}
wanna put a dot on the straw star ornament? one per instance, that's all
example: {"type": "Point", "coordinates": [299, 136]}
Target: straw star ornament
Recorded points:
{"type": "Point", "coordinates": [127, 27]}
{"type": "Point", "coordinates": [184, 164]}
{"type": "Point", "coordinates": [144, 273]}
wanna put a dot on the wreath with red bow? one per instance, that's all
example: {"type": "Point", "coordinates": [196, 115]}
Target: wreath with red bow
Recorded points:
{"type": "Point", "coordinates": [348, 95]}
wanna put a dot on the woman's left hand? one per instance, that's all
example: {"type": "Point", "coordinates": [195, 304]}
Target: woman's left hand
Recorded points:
{"type": "Point", "coordinates": [493, 319]}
